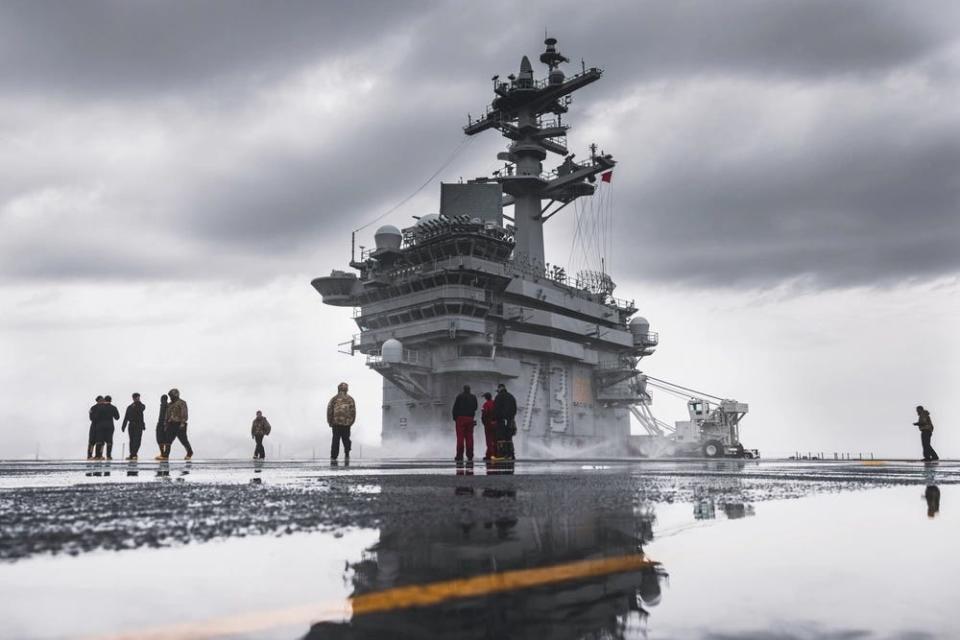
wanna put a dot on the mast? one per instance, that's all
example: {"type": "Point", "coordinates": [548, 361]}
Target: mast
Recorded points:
{"type": "Point", "coordinates": [520, 111]}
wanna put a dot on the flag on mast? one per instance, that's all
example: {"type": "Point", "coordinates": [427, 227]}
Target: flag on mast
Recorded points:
{"type": "Point", "coordinates": [606, 176]}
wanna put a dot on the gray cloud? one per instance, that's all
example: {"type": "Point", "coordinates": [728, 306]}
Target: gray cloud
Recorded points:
{"type": "Point", "coordinates": [758, 143]}
{"type": "Point", "coordinates": [110, 49]}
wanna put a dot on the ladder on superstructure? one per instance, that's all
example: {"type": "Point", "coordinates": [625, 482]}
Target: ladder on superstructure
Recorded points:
{"type": "Point", "coordinates": [531, 397]}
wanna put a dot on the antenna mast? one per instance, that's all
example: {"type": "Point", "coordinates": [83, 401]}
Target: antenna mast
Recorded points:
{"type": "Point", "coordinates": [518, 111]}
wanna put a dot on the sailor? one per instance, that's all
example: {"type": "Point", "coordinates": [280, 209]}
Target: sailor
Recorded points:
{"type": "Point", "coordinates": [162, 428]}
{"type": "Point", "coordinates": [176, 423]}
{"type": "Point", "coordinates": [464, 418]}
{"type": "Point", "coordinates": [505, 408]}
{"type": "Point", "coordinates": [92, 434]}
{"type": "Point", "coordinates": [259, 428]}
{"type": "Point", "coordinates": [488, 417]}
{"type": "Point", "coordinates": [341, 413]}
{"type": "Point", "coordinates": [925, 424]}
{"type": "Point", "coordinates": [134, 417]}
{"type": "Point", "coordinates": [103, 426]}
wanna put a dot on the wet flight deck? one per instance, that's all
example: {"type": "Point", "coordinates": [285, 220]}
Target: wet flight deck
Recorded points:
{"type": "Point", "coordinates": [415, 549]}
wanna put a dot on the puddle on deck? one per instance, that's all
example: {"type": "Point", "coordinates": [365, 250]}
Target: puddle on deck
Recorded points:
{"type": "Point", "coordinates": [567, 560]}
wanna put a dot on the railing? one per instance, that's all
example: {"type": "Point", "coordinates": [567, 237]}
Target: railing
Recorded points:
{"type": "Point", "coordinates": [520, 266]}
{"type": "Point", "coordinates": [409, 356]}
{"type": "Point", "coordinates": [531, 84]}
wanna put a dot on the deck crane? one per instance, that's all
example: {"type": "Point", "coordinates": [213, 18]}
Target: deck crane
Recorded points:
{"type": "Point", "coordinates": [712, 430]}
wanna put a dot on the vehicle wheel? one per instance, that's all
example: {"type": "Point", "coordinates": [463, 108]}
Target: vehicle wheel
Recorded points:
{"type": "Point", "coordinates": [748, 455]}
{"type": "Point", "coordinates": [713, 449]}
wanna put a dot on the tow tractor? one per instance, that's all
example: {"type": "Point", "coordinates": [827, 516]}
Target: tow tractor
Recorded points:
{"type": "Point", "coordinates": [712, 431]}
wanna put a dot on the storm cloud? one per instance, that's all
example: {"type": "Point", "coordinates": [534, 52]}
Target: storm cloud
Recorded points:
{"type": "Point", "coordinates": [758, 142]}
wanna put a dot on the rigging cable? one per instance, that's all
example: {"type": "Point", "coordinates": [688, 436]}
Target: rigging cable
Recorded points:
{"type": "Point", "coordinates": [456, 151]}
{"type": "Point", "coordinates": [694, 391]}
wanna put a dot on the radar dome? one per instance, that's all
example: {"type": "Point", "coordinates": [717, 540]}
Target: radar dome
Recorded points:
{"type": "Point", "coordinates": [392, 351]}
{"type": "Point", "coordinates": [388, 237]}
{"type": "Point", "coordinates": [639, 325]}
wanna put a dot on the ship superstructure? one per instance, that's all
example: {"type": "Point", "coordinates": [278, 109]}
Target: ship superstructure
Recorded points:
{"type": "Point", "coordinates": [465, 296]}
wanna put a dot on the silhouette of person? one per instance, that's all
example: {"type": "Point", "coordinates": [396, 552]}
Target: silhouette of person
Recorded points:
{"type": "Point", "coordinates": [925, 424]}
{"type": "Point", "coordinates": [464, 411]}
{"type": "Point", "coordinates": [133, 418]}
{"type": "Point", "coordinates": [260, 428]}
{"type": "Point", "coordinates": [92, 435]}
{"type": "Point", "coordinates": [104, 415]}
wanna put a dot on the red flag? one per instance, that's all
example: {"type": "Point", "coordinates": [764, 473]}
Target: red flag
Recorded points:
{"type": "Point", "coordinates": [607, 176]}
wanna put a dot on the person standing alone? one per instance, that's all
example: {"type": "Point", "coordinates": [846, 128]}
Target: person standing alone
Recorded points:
{"type": "Point", "coordinates": [464, 418]}
{"type": "Point", "coordinates": [925, 424]}
{"type": "Point", "coordinates": [176, 421]}
{"type": "Point", "coordinates": [259, 428]}
{"type": "Point", "coordinates": [134, 418]}
{"type": "Point", "coordinates": [341, 413]}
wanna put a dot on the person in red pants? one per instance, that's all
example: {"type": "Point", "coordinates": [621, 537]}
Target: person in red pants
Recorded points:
{"type": "Point", "coordinates": [464, 412]}
{"type": "Point", "coordinates": [489, 419]}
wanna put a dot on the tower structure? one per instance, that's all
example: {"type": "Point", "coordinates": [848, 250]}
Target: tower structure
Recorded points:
{"type": "Point", "coordinates": [529, 113]}
{"type": "Point", "coordinates": [464, 296]}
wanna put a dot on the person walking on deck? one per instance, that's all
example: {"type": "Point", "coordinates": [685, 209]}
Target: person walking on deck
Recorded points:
{"type": "Point", "coordinates": [176, 423]}
{"type": "Point", "coordinates": [925, 424]}
{"type": "Point", "coordinates": [133, 417]}
{"type": "Point", "coordinates": [341, 414]}
{"type": "Point", "coordinates": [259, 428]}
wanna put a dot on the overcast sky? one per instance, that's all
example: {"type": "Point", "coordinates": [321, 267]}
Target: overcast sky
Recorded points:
{"type": "Point", "coordinates": [172, 175]}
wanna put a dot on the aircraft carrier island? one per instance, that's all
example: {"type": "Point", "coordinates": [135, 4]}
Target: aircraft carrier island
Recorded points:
{"type": "Point", "coordinates": [465, 296]}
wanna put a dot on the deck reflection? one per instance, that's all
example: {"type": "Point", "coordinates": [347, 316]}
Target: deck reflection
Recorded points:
{"type": "Point", "coordinates": [486, 534]}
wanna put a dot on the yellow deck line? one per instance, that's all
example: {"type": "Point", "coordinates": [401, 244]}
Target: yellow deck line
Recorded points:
{"type": "Point", "coordinates": [389, 600]}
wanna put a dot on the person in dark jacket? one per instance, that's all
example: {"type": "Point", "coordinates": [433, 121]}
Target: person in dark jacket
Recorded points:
{"type": "Point", "coordinates": [488, 417]}
{"type": "Point", "coordinates": [92, 434]}
{"type": "Point", "coordinates": [464, 418]}
{"type": "Point", "coordinates": [104, 415]}
{"type": "Point", "coordinates": [925, 424]}
{"type": "Point", "coordinates": [259, 428]}
{"type": "Point", "coordinates": [133, 417]}
{"type": "Point", "coordinates": [162, 428]}
{"type": "Point", "coordinates": [505, 409]}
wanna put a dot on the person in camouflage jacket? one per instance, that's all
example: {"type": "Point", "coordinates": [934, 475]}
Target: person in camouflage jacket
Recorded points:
{"type": "Point", "coordinates": [176, 424]}
{"type": "Point", "coordinates": [259, 428]}
{"type": "Point", "coordinates": [341, 414]}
